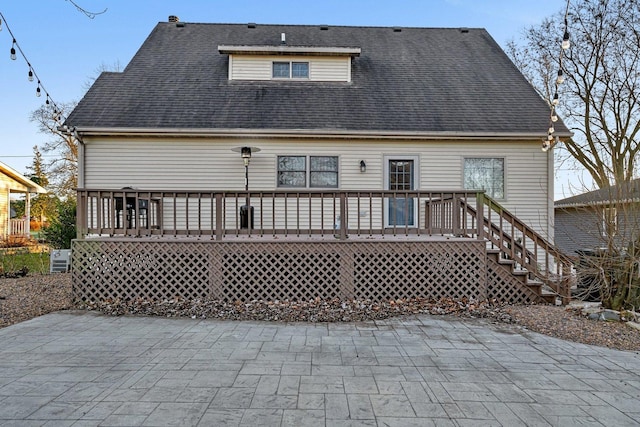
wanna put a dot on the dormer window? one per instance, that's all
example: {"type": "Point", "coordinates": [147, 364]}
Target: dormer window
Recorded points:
{"type": "Point", "coordinates": [280, 62]}
{"type": "Point", "coordinates": [290, 70]}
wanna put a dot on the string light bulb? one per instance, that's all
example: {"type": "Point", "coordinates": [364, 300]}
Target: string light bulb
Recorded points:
{"type": "Point", "coordinates": [13, 50]}
{"type": "Point", "coordinates": [566, 44]}
{"type": "Point", "coordinates": [31, 74]}
{"type": "Point", "coordinates": [546, 145]}
{"type": "Point", "coordinates": [559, 80]}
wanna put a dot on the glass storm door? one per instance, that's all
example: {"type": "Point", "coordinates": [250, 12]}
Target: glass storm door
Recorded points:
{"type": "Point", "coordinates": [401, 177]}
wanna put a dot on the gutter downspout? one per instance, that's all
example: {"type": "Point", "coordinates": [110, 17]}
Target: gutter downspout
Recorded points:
{"type": "Point", "coordinates": [81, 155]}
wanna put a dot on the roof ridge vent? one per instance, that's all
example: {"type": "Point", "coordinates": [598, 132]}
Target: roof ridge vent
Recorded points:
{"type": "Point", "coordinates": [251, 25]}
{"type": "Point", "coordinates": [464, 30]}
{"type": "Point", "coordinates": [324, 27]}
{"type": "Point", "coordinates": [397, 29]}
{"type": "Point", "coordinates": [173, 18]}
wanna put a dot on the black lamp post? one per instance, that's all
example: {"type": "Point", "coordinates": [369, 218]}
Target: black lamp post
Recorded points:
{"type": "Point", "coordinates": [246, 211]}
{"type": "Point", "coordinates": [245, 152]}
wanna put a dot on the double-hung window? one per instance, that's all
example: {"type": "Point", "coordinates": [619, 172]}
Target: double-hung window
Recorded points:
{"type": "Point", "coordinates": [290, 70]}
{"type": "Point", "coordinates": [308, 171]}
{"type": "Point", "coordinates": [484, 173]}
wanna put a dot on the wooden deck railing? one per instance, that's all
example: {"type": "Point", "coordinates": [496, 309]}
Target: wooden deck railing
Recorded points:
{"type": "Point", "coordinates": [127, 212]}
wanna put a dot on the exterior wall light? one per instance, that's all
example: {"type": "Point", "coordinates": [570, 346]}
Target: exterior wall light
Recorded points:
{"type": "Point", "coordinates": [363, 166]}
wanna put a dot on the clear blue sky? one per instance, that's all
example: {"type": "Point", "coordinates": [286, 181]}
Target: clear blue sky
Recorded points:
{"type": "Point", "coordinates": [66, 48]}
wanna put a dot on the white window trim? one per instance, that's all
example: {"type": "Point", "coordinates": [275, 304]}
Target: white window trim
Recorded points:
{"type": "Point", "coordinates": [308, 171]}
{"type": "Point", "coordinates": [504, 172]}
{"type": "Point", "coordinates": [291, 71]}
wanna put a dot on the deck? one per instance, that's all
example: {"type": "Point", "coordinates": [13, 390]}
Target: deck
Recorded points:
{"type": "Point", "coordinates": [372, 245]}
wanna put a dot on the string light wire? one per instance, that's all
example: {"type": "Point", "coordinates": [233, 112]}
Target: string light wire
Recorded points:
{"type": "Point", "coordinates": [566, 43]}
{"type": "Point", "coordinates": [32, 74]}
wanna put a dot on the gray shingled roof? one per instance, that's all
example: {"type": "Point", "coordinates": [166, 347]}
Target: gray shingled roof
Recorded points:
{"type": "Point", "coordinates": [629, 191]}
{"type": "Point", "coordinates": [418, 80]}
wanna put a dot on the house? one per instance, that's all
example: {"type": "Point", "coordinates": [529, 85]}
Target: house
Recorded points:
{"type": "Point", "coordinates": [253, 161]}
{"type": "Point", "coordinates": [12, 182]}
{"type": "Point", "coordinates": [603, 218]}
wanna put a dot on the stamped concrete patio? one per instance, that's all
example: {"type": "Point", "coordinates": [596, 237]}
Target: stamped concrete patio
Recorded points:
{"type": "Point", "coordinates": [86, 369]}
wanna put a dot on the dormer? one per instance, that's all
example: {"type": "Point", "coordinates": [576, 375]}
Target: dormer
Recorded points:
{"type": "Point", "coordinates": [290, 63]}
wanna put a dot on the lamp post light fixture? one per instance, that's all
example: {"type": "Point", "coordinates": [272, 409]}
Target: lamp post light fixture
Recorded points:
{"type": "Point", "coordinates": [246, 211]}
{"type": "Point", "coordinates": [245, 152]}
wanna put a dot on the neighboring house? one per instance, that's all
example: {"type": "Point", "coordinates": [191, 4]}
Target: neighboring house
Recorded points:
{"type": "Point", "coordinates": [14, 182]}
{"type": "Point", "coordinates": [331, 112]}
{"type": "Point", "coordinates": [599, 219]}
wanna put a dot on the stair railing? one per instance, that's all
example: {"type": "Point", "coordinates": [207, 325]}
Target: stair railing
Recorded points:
{"type": "Point", "coordinates": [517, 241]}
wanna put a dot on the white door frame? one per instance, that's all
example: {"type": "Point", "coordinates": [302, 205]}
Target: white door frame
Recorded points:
{"type": "Point", "coordinates": [416, 179]}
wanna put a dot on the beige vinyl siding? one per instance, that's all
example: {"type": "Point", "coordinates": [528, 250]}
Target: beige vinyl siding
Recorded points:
{"type": "Point", "coordinates": [258, 67]}
{"type": "Point", "coordinates": [4, 211]}
{"type": "Point", "coordinates": [250, 68]}
{"type": "Point", "coordinates": [209, 164]}
{"type": "Point", "coordinates": [10, 183]}
{"type": "Point", "coordinates": [7, 184]}
{"type": "Point", "coordinates": [330, 69]}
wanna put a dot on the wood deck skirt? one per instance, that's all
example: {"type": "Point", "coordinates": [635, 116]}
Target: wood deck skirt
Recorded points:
{"type": "Point", "coordinates": [284, 269]}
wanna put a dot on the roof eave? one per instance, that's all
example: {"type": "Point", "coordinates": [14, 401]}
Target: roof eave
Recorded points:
{"type": "Point", "coordinates": [18, 177]}
{"type": "Point", "coordinates": [289, 50]}
{"type": "Point", "coordinates": [311, 133]}
{"type": "Point", "coordinates": [595, 203]}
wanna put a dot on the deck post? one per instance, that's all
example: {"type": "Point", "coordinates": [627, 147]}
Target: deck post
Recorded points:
{"type": "Point", "coordinates": [343, 216]}
{"type": "Point", "coordinates": [565, 285]}
{"type": "Point", "coordinates": [81, 214]}
{"type": "Point", "coordinates": [480, 215]}
{"type": "Point", "coordinates": [219, 223]}
{"type": "Point", "coordinates": [455, 212]}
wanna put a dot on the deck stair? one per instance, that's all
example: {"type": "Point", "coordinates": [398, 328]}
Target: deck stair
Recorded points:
{"type": "Point", "coordinates": [521, 251]}
{"type": "Point", "coordinates": [534, 290]}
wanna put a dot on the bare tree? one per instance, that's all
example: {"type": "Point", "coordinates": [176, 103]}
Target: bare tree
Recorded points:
{"type": "Point", "coordinates": [89, 14]}
{"type": "Point", "coordinates": [599, 98]}
{"type": "Point", "coordinates": [104, 67]}
{"type": "Point", "coordinates": [63, 170]}
{"type": "Point", "coordinates": [599, 101]}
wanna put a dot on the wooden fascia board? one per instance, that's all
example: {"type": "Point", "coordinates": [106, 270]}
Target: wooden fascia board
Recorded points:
{"type": "Point", "coordinates": [305, 133]}
{"type": "Point", "coordinates": [289, 50]}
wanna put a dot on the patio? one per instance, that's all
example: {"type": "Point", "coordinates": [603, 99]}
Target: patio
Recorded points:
{"type": "Point", "coordinates": [89, 369]}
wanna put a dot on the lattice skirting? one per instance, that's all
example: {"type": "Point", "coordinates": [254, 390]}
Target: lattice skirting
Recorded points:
{"type": "Point", "coordinates": [155, 270]}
